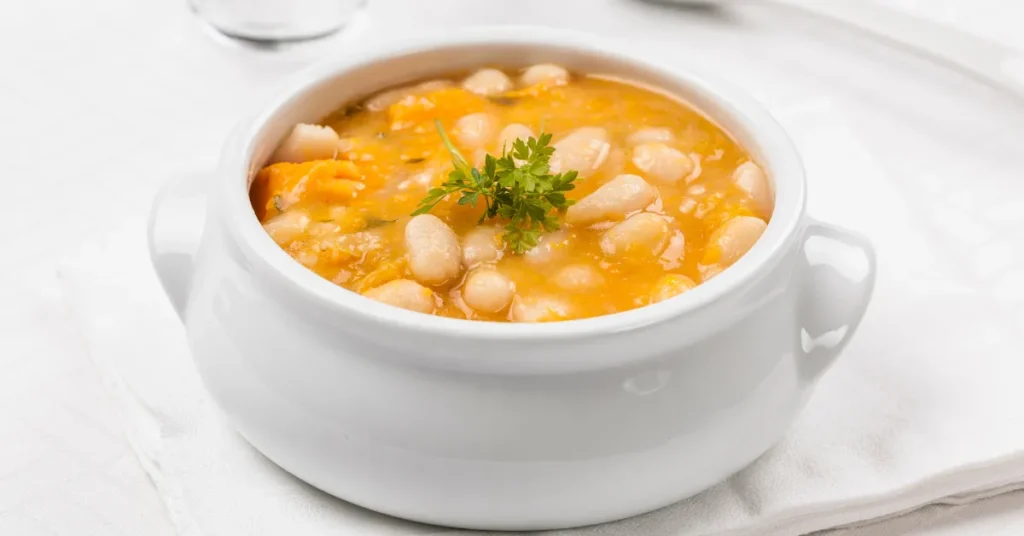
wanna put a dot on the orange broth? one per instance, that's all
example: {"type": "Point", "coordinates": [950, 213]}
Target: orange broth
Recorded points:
{"type": "Point", "coordinates": [354, 204]}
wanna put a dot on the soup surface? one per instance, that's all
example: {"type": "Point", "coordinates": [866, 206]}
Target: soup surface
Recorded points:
{"type": "Point", "coordinates": [662, 199]}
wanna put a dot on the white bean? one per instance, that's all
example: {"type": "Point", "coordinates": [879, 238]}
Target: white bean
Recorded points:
{"type": "Point", "coordinates": [431, 85]}
{"type": "Point", "coordinates": [578, 278]}
{"type": "Point", "coordinates": [544, 73]}
{"type": "Point", "coordinates": [539, 309]}
{"type": "Point", "coordinates": [549, 247]}
{"type": "Point", "coordinates": [661, 162]}
{"type": "Point", "coordinates": [487, 291]}
{"type": "Point", "coordinates": [286, 227]}
{"type": "Point", "coordinates": [650, 135]}
{"type": "Point", "coordinates": [733, 239]}
{"type": "Point", "coordinates": [475, 130]}
{"type": "Point", "coordinates": [749, 178]}
{"type": "Point", "coordinates": [710, 271]}
{"type": "Point", "coordinates": [583, 150]}
{"type": "Point", "coordinates": [308, 142]}
{"type": "Point", "coordinates": [435, 257]}
{"type": "Point", "coordinates": [487, 82]}
{"type": "Point", "coordinates": [511, 133]}
{"type": "Point", "coordinates": [612, 201]}
{"type": "Point", "coordinates": [640, 236]}
{"type": "Point", "coordinates": [384, 99]}
{"type": "Point", "coordinates": [482, 244]}
{"type": "Point", "coordinates": [479, 158]}
{"type": "Point", "coordinates": [404, 293]}
{"type": "Point", "coordinates": [670, 285]}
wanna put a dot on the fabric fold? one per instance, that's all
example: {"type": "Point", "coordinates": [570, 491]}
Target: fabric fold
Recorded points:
{"type": "Point", "coordinates": [898, 424]}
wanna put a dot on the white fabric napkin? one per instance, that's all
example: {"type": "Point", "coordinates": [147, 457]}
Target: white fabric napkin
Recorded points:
{"type": "Point", "coordinates": [925, 407]}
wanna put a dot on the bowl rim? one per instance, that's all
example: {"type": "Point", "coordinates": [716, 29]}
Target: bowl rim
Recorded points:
{"type": "Point", "coordinates": [780, 158]}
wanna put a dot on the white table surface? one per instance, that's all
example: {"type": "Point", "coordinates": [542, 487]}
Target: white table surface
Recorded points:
{"type": "Point", "coordinates": [99, 102]}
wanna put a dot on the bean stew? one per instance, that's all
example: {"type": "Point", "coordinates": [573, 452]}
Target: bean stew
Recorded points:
{"type": "Point", "coordinates": [539, 194]}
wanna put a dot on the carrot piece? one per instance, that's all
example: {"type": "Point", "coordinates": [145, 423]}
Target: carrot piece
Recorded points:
{"type": "Point", "coordinates": [445, 104]}
{"type": "Point", "coordinates": [281, 185]}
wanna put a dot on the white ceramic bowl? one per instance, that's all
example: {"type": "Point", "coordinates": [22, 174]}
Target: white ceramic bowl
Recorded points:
{"type": "Point", "coordinates": [505, 426]}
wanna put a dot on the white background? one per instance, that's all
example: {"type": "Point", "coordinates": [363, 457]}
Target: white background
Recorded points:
{"type": "Point", "coordinates": [100, 101]}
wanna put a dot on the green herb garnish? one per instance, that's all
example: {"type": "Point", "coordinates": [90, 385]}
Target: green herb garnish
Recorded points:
{"type": "Point", "coordinates": [373, 222]}
{"type": "Point", "coordinates": [415, 160]}
{"type": "Point", "coordinates": [517, 187]}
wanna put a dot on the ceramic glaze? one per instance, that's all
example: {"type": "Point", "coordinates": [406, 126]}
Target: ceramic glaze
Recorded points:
{"type": "Point", "coordinates": [505, 426]}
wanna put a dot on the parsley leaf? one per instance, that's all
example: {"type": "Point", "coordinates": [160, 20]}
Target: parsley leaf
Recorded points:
{"type": "Point", "coordinates": [517, 187]}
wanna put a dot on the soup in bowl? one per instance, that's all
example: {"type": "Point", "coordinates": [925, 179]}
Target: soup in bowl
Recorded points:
{"type": "Point", "coordinates": [523, 195]}
{"type": "Point", "coordinates": [648, 303]}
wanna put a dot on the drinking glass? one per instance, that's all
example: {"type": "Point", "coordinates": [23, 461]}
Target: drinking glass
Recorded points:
{"type": "Point", "coordinates": [277, 21]}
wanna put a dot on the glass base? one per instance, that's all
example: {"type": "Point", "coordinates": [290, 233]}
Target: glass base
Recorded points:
{"type": "Point", "coordinates": [264, 43]}
{"type": "Point", "coordinates": [271, 32]}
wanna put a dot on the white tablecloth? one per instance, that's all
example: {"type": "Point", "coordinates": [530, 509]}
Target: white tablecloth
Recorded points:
{"type": "Point", "coordinates": [99, 102]}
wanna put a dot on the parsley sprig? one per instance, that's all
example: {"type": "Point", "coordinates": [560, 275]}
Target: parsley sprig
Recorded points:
{"type": "Point", "coordinates": [518, 187]}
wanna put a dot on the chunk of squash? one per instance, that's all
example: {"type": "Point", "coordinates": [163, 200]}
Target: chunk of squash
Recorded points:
{"type": "Point", "coordinates": [419, 111]}
{"type": "Point", "coordinates": [281, 185]}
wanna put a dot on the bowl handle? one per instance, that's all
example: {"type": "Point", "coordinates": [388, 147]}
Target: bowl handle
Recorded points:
{"type": "Point", "coordinates": [175, 227]}
{"type": "Point", "coordinates": [838, 277]}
